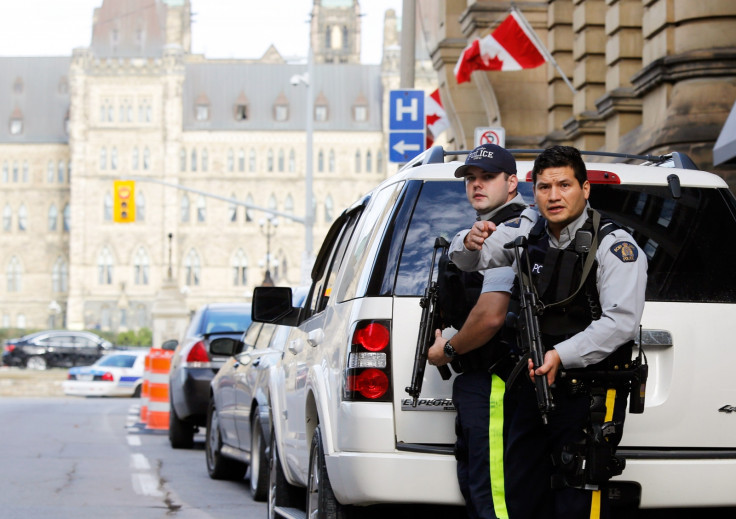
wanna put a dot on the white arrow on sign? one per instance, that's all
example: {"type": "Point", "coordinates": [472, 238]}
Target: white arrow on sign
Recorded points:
{"type": "Point", "coordinates": [402, 147]}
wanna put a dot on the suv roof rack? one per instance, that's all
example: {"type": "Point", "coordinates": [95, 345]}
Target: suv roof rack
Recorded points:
{"type": "Point", "coordinates": [437, 154]}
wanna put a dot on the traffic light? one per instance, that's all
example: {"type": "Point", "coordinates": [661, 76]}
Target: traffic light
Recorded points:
{"type": "Point", "coordinates": [123, 210]}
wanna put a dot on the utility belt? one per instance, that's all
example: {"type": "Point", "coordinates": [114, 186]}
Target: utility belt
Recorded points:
{"type": "Point", "coordinates": [495, 356]}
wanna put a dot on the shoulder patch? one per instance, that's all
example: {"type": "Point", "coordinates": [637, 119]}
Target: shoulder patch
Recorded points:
{"type": "Point", "coordinates": [515, 223]}
{"type": "Point", "coordinates": [625, 251]}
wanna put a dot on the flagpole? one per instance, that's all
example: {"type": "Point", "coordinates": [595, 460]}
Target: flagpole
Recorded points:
{"type": "Point", "coordinates": [541, 45]}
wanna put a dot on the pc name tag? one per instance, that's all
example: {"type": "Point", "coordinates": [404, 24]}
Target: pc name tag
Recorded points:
{"type": "Point", "coordinates": [428, 404]}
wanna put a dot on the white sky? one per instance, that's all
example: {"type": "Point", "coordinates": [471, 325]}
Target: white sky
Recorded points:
{"type": "Point", "coordinates": [220, 28]}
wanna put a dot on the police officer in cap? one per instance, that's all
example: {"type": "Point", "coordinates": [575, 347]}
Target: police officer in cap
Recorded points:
{"type": "Point", "coordinates": [491, 187]}
{"type": "Point", "coordinates": [590, 319]}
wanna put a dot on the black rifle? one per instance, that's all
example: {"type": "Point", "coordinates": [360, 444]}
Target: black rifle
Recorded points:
{"type": "Point", "coordinates": [530, 336]}
{"type": "Point", "coordinates": [429, 322]}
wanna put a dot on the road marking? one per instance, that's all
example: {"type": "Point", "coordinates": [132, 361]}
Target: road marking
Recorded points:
{"type": "Point", "coordinates": [146, 484]}
{"type": "Point", "coordinates": [139, 462]}
{"type": "Point", "coordinates": [134, 441]}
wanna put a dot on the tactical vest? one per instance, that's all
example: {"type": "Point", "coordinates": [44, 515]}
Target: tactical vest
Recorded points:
{"type": "Point", "coordinates": [556, 275]}
{"type": "Point", "coordinates": [458, 293]}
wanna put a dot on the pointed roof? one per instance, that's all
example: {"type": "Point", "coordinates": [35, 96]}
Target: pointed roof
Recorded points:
{"type": "Point", "coordinates": [272, 56]}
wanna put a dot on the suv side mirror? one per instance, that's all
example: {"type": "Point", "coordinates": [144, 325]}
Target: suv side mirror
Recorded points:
{"type": "Point", "coordinates": [273, 305]}
{"type": "Point", "coordinates": [170, 345]}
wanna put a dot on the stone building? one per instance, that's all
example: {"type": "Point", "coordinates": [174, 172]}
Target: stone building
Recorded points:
{"type": "Point", "coordinates": [201, 137]}
{"type": "Point", "coordinates": [651, 76]}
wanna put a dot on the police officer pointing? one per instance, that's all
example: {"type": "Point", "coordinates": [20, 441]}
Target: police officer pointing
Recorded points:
{"type": "Point", "coordinates": [590, 319]}
{"type": "Point", "coordinates": [491, 187]}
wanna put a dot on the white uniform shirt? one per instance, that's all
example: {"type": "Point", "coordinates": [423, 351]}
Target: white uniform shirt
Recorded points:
{"type": "Point", "coordinates": [621, 280]}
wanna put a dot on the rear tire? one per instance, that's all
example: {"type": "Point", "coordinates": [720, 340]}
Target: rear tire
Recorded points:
{"type": "Point", "coordinates": [181, 433]}
{"type": "Point", "coordinates": [137, 391]}
{"type": "Point", "coordinates": [258, 461]}
{"type": "Point", "coordinates": [280, 492]}
{"type": "Point", "coordinates": [321, 501]}
{"type": "Point", "coordinates": [219, 466]}
{"type": "Point", "coordinates": [36, 363]}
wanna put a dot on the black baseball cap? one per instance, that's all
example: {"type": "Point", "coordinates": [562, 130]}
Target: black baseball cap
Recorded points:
{"type": "Point", "coordinates": [488, 157]}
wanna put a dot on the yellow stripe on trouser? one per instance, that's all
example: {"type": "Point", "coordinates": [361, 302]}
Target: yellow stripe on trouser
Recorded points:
{"type": "Point", "coordinates": [595, 505]}
{"type": "Point", "coordinates": [495, 446]}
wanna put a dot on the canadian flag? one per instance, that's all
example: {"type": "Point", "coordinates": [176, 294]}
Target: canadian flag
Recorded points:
{"type": "Point", "coordinates": [510, 47]}
{"type": "Point", "coordinates": [437, 121]}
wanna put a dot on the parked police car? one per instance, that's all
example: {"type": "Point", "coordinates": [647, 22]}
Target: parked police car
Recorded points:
{"type": "Point", "coordinates": [345, 430]}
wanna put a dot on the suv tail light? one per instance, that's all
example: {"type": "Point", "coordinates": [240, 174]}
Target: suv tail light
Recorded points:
{"type": "Point", "coordinates": [368, 370]}
{"type": "Point", "coordinates": [198, 354]}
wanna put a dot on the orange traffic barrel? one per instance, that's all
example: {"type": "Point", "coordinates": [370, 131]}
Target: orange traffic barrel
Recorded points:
{"type": "Point", "coordinates": [158, 389]}
{"type": "Point", "coordinates": [144, 388]}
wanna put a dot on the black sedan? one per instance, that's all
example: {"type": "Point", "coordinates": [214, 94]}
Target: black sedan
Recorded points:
{"type": "Point", "coordinates": [194, 365]}
{"type": "Point", "coordinates": [55, 348]}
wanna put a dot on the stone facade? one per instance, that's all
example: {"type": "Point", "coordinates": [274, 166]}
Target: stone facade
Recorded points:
{"type": "Point", "coordinates": [651, 76]}
{"type": "Point", "coordinates": [137, 104]}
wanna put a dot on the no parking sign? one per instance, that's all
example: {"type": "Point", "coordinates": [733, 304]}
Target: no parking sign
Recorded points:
{"type": "Point", "coordinates": [493, 135]}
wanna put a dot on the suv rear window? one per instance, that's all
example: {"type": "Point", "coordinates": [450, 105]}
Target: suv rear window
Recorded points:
{"type": "Point", "coordinates": [688, 241]}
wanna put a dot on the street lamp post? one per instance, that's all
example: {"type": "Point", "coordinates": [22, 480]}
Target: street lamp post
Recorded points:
{"type": "Point", "coordinates": [266, 224]}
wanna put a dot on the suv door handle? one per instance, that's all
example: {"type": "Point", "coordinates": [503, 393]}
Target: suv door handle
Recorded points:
{"type": "Point", "coordinates": [316, 337]}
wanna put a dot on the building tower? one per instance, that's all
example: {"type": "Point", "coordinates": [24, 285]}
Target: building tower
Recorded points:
{"type": "Point", "coordinates": [335, 31]}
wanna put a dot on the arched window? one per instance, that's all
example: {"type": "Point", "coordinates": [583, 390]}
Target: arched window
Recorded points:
{"type": "Point", "coordinates": [140, 207]}
{"type": "Point", "coordinates": [134, 159]}
{"type": "Point", "coordinates": [232, 211]}
{"type": "Point", "coordinates": [272, 202]}
{"type": "Point", "coordinates": [248, 210]}
{"type": "Point", "coordinates": [60, 276]}
{"type": "Point", "coordinates": [368, 161]}
{"type": "Point", "coordinates": [22, 218]}
{"type": "Point", "coordinates": [289, 204]}
{"type": "Point", "coordinates": [329, 208]}
{"type": "Point", "coordinates": [292, 161]}
{"type": "Point", "coordinates": [104, 267]}
{"type": "Point", "coordinates": [182, 160]}
{"type": "Point", "coordinates": [252, 161]}
{"type": "Point", "coordinates": [241, 160]}
{"type": "Point", "coordinates": [269, 161]}
{"type": "Point", "coordinates": [7, 218]}
{"type": "Point", "coordinates": [201, 209]}
{"type": "Point", "coordinates": [25, 172]}
{"type": "Point", "coordinates": [321, 161]}
{"type": "Point", "coordinates": [14, 274]}
{"type": "Point", "coordinates": [53, 217]}
{"type": "Point", "coordinates": [194, 159]}
{"type": "Point", "coordinates": [146, 159]}
{"type": "Point", "coordinates": [140, 267]}
{"type": "Point", "coordinates": [357, 161]}
{"type": "Point", "coordinates": [49, 172]}
{"type": "Point", "coordinates": [103, 158]}
{"type": "Point", "coordinates": [281, 160]}
{"type": "Point", "coordinates": [114, 158]}
{"type": "Point", "coordinates": [239, 266]}
{"type": "Point", "coordinates": [205, 160]}
{"type": "Point", "coordinates": [107, 208]}
{"type": "Point", "coordinates": [191, 268]}
{"type": "Point", "coordinates": [61, 172]}
{"type": "Point", "coordinates": [379, 162]}
{"type": "Point", "coordinates": [331, 164]}
{"type": "Point", "coordinates": [67, 218]}
{"type": "Point", "coordinates": [185, 209]}
{"type": "Point", "coordinates": [230, 160]}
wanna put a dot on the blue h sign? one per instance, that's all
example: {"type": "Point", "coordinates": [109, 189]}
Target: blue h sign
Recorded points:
{"type": "Point", "coordinates": [406, 124]}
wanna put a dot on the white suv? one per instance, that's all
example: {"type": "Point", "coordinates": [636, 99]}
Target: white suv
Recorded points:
{"type": "Point", "coordinates": [345, 429]}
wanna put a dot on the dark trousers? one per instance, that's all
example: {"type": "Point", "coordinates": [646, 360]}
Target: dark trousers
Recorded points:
{"type": "Point", "coordinates": [530, 446]}
{"type": "Point", "coordinates": [470, 395]}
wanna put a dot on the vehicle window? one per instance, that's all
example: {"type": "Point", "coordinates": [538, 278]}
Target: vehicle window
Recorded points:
{"type": "Point", "coordinates": [688, 242]}
{"type": "Point", "coordinates": [118, 361]}
{"type": "Point", "coordinates": [322, 288]}
{"type": "Point", "coordinates": [195, 323]}
{"type": "Point", "coordinates": [265, 336]}
{"type": "Point", "coordinates": [84, 342]}
{"type": "Point", "coordinates": [251, 335]}
{"type": "Point", "coordinates": [372, 225]}
{"type": "Point", "coordinates": [442, 209]}
{"type": "Point", "coordinates": [221, 320]}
